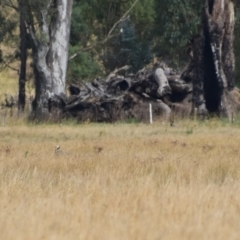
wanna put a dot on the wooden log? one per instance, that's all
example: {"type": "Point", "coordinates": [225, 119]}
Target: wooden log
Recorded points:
{"type": "Point", "coordinates": [74, 90]}
{"type": "Point", "coordinates": [162, 81]}
{"type": "Point", "coordinates": [179, 85]}
{"type": "Point", "coordinates": [116, 71]}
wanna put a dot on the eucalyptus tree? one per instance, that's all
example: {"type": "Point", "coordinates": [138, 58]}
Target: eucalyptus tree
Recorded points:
{"type": "Point", "coordinates": [48, 23]}
{"type": "Point", "coordinates": [207, 29]}
{"type": "Point", "coordinates": [23, 59]}
{"type": "Point", "coordinates": [214, 60]}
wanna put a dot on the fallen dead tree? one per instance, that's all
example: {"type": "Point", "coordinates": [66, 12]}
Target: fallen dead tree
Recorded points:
{"type": "Point", "coordinates": [123, 97]}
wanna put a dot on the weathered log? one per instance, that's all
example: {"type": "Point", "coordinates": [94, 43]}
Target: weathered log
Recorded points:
{"type": "Point", "coordinates": [119, 98]}
{"type": "Point", "coordinates": [161, 79]}
{"type": "Point", "coordinates": [188, 72]}
{"type": "Point", "coordinates": [130, 107]}
{"type": "Point", "coordinates": [178, 85]}
{"type": "Point", "coordinates": [122, 84]}
{"type": "Point", "coordinates": [154, 84]}
{"type": "Point", "coordinates": [116, 71]}
{"type": "Point", "coordinates": [74, 90]}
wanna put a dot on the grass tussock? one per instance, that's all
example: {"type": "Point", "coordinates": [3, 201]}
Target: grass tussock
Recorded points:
{"type": "Point", "coordinates": [122, 181]}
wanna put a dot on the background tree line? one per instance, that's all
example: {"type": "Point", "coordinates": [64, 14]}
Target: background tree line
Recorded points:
{"type": "Point", "coordinates": [153, 29]}
{"type": "Point", "coordinates": [160, 29]}
{"type": "Point", "coordinates": [101, 40]}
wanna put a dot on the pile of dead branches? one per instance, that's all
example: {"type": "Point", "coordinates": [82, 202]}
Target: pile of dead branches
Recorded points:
{"type": "Point", "coordinates": [120, 97]}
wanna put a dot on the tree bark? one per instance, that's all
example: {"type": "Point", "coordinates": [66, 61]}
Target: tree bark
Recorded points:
{"type": "Point", "coordinates": [23, 58]}
{"type": "Point", "coordinates": [51, 54]}
{"type": "Point", "coordinates": [214, 61]}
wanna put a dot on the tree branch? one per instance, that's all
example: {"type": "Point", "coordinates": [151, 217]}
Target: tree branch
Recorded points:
{"type": "Point", "coordinates": [88, 48]}
{"type": "Point", "coordinates": [10, 5]}
{"type": "Point", "coordinates": [124, 17]}
{"type": "Point", "coordinates": [8, 66]}
{"type": "Point", "coordinates": [24, 7]}
{"type": "Point", "coordinates": [44, 25]}
{"type": "Point", "coordinates": [83, 50]}
{"type": "Point", "coordinates": [117, 70]}
{"type": "Point", "coordinates": [109, 35]}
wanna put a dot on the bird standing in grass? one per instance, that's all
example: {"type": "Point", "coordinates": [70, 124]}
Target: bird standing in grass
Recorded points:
{"type": "Point", "coordinates": [58, 151]}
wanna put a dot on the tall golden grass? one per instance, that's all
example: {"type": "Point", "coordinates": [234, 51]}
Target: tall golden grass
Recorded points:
{"type": "Point", "coordinates": [120, 181]}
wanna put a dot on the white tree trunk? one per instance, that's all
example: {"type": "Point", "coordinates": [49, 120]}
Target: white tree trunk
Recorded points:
{"type": "Point", "coordinates": [58, 54]}
{"type": "Point", "coordinates": [51, 53]}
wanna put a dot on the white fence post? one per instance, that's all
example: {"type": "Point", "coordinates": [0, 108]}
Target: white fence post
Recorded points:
{"type": "Point", "coordinates": [150, 113]}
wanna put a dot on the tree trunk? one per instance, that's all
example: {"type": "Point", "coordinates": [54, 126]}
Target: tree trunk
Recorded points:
{"type": "Point", "coordinates": [51, 54]}
{"type": "Point", "coordinates": [23, 56]}
{"type": "Point", "coordinates": [214, 60]}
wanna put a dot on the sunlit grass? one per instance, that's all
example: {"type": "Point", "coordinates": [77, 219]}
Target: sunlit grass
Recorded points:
{"type": "Point", "coordinates": [9, 83]}
{"type": "Point", "coordinates": [120, 181]}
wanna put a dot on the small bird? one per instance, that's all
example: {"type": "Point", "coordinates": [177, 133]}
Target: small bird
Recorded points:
{"type": "Point", "coordinates": [57, 147]}
{"type": "Point", "coordinates": [175, 142]}
{"type": "Point", "coordinates": [7, 149]}
{"type": "Point", "coordinates": [98, 149]}
{"type": "Point", "coordinates": [68, 154]}
{"type": "Point", "coordinates": [57, 150]}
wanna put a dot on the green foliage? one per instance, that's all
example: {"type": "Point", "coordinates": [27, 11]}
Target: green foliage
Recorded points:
{"type": "Point", "coordinates": [143, 16]}
{"type": "Point", "coordinates": [165, 26]}
{"type": "Point", "coordinates": [92, 21]}
{"type": "Point", "coordinates": [82, 67]}
{"type": "Point", "coordinates": [176, 23]}
{"type": "Point", "coordinates": [127, 49]}
{"type": "Point", "coordinates": [82, 23]}
{"type": "Point", "coordinates": [162, 27]}
{"type": "Point", "coordinates": [132, 121]}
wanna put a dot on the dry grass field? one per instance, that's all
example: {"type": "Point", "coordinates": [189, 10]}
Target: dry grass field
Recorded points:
{"type": "Point", "coordinates": [120, 181]}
